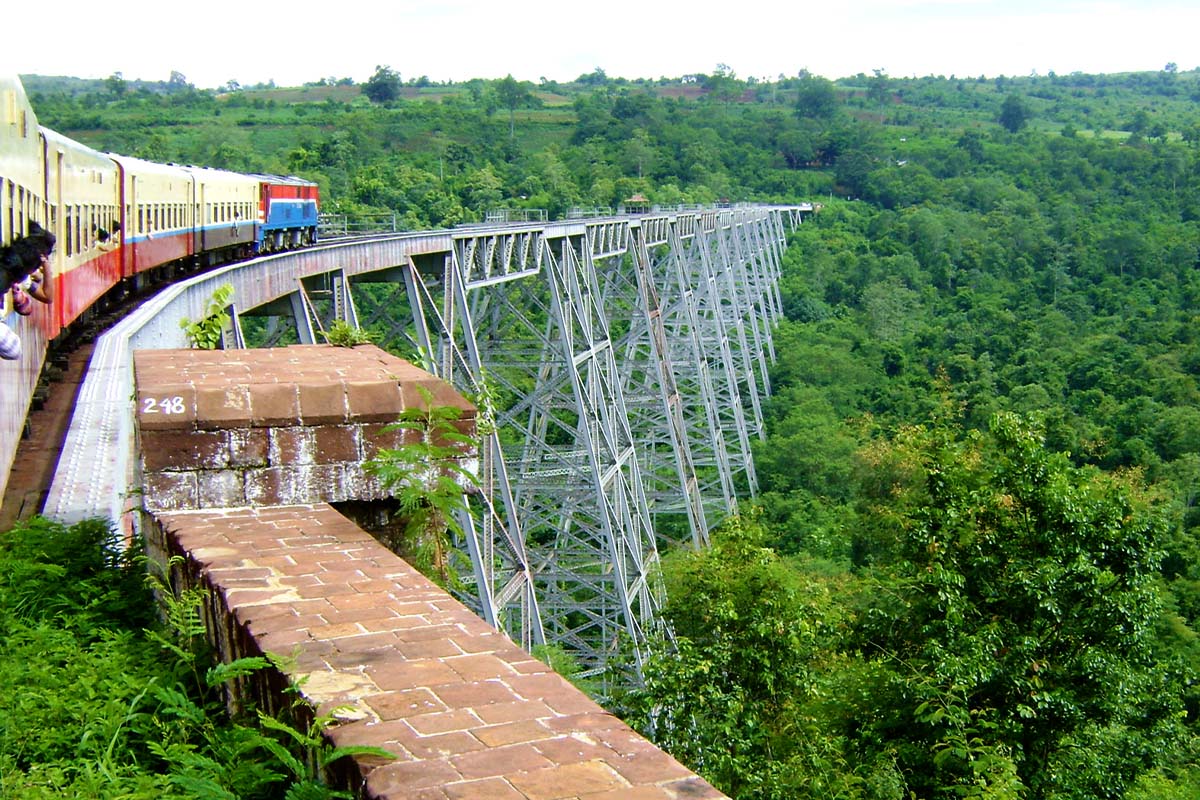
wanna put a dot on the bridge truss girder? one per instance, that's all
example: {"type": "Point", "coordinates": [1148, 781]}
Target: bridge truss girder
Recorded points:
{"type": "Point", "coordinates": [619, 366]}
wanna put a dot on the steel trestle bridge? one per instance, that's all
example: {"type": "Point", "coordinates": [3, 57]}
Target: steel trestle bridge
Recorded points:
{"type": "Point", "coordinates": [619, 364]}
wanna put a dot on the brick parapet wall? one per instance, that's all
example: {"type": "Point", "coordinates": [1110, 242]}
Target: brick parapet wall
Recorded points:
{"type": "Point", "coordinates": [402, 665]}
{"type": "Point", "coordinates": [278, 426]}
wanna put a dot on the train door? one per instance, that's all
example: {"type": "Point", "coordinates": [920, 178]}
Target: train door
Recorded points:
{"type": "Point", "coordinates": [205, 215]}
{"type": "Point", "coordinates": [137, 234]}
{"type": "Point", "coordinates": [123, 236]}
{"type": "Point", "coordinates": [54, 199]}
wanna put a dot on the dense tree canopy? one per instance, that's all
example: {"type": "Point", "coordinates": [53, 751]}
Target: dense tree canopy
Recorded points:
{"type": "Point", "coordinates": [975, 571]}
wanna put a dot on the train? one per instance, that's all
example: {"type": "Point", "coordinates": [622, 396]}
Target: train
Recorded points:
{"type": "Point", "coordinates": [122, 225]}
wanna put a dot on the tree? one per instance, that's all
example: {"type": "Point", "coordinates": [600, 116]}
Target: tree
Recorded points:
{"type": "Point", "coordinates": [513, 93]}
{"type": "Point", "coordinates": [816, 98]}
{"type": "Point", "coordinates": [596, 77]}
{"type": "Point", "coordinates": [879, 90]}
{"type": "Point", "coordinates": [1014, 113]}
{"type": "Point", "coordinates": [723, 84]}
{"type": "Point", "coordinates": [115, 84]}
{"type": "Point", "coordinates": [1013, 620]}
{"type": "Point", "coordinates": [383, 86]}
{"type": "Point", "coordinates": [178, 82]}
{"type": "Point", "coordinates": [720, 695]}
{"type": "Point", "coordinates": [852, 170]}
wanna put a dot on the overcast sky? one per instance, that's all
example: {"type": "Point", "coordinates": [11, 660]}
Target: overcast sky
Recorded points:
{"type": "Point", "coordinates": [215, 41]}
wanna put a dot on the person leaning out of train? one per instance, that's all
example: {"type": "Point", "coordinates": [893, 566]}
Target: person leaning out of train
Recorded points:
{"type": "Point", "coordinates": [26, 267]}
{"type": "Point", "coordinates": [37, 285]}
{"type": "Point", "coordinates": [106, 241]}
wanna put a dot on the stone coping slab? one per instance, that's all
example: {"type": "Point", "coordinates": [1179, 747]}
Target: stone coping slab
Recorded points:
{"type": "Point", "coordinates": [298, 385]}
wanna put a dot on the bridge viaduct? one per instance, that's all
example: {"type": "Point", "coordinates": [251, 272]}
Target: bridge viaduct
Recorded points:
{"type": "Point", "coordinates": [618, 366]}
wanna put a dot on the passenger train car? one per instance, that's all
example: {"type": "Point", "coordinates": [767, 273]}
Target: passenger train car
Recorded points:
{"type": "Point", "coordinates": [122, 224]}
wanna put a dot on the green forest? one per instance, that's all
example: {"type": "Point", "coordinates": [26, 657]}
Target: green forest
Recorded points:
{"type": "Point", "coordinates": [974, 567]}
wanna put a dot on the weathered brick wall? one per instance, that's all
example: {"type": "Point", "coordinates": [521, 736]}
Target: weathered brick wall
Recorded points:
{"type": "Point", "coordinates": [402, 665]}
{"type": "Point", "coordinates": [278, 426]}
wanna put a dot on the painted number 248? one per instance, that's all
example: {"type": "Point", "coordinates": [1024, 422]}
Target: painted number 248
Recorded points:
{"type": "Point", "coordinates": [163, 405]}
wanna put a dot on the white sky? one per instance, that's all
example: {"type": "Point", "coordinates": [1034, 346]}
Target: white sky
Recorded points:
{"type": "Point", "coordinates": [214, 41]}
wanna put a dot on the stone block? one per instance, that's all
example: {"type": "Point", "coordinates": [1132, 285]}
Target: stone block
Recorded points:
{"type": "Point", "coordinates": [272, 486]}
{"type": "Point", "coordinates": [166, 407]}
{"type": "Point", "coordinates": [374, 438]}
{"type": "Point", "coordinates": [170, 491]}
{"type": "Point", "coordinates": [336, 443]}
{"type": "Point", "coordinates": [290, 447]}
{"type": "Point", "coordinates": [323, 403]}
{"type": "Point", "coordinates": [274, 405]}
{"type": "Point", "coordinates": [222, 407]}
{"type": "Point", "coordinates": [248, 447]}
{"type": "Point", "coordinates": [177, 450]}
{"type": "Point", "coordinates": [373, 401]}
{"type": "Point", "coordinates": [222, 488]}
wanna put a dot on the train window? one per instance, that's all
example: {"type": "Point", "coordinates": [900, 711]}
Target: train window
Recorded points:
{"type": "Point", "coordinates": [77, 229]}
{"type": "Point", "coordinates": [19, 209]}
{"type": "Point", "coordinates": [70, 219]}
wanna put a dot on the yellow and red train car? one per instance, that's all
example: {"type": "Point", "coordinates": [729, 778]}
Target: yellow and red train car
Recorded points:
{"type": "Point", "coordinates": [22, 200]}
{"type": "Point", "coordinates": [121, 224]}
{"type": "Point", "coordinates": [83, 194]}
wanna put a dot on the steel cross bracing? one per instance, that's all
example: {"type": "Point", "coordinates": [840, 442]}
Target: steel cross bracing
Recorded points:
{"type": "Point", "coordinates": [619, 366]}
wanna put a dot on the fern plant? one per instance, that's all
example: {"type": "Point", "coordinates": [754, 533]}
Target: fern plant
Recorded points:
{"type": "Point", "coordinates": [343, 334]}
{"type": "Point", "coordinates": [104, 699]}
